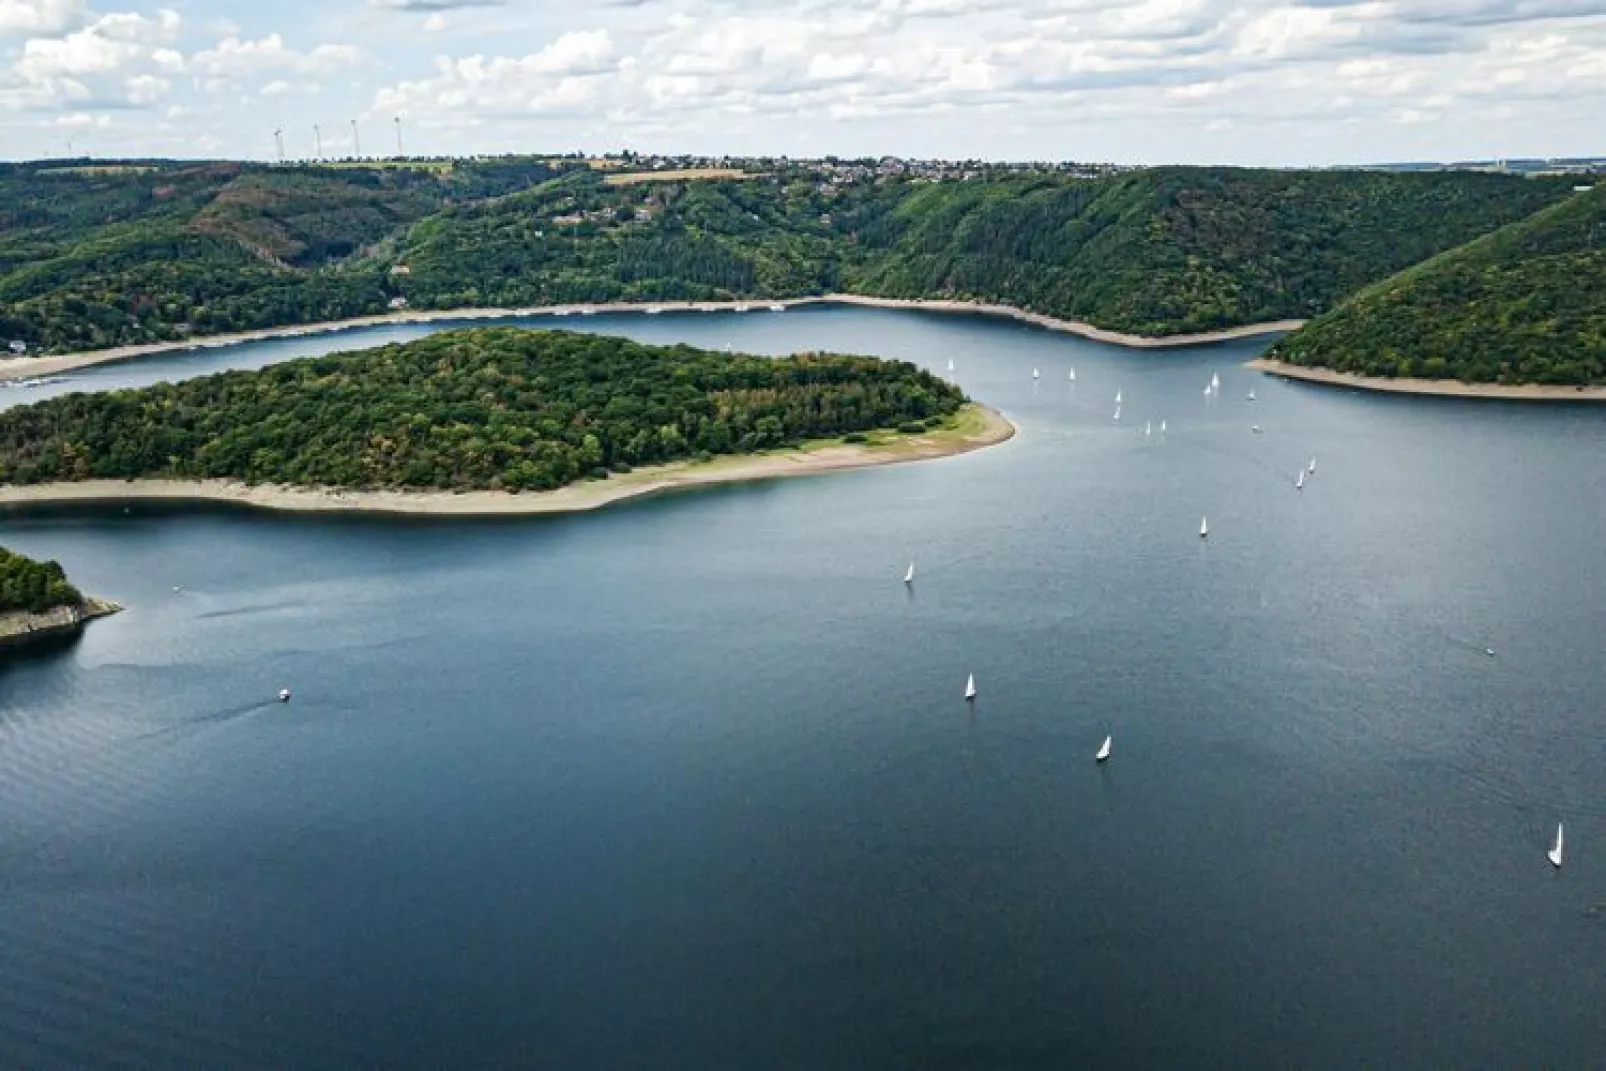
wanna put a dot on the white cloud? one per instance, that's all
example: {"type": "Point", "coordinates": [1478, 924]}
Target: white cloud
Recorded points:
{"type": "Point", "coordinates": [115, 58]}
{"type": "Point", "coordinates": [40, 16]}
{"type": "Point", "coordinates": [145, 89]}
{"type": "Point", "coordinates": [233, 59]}
{"type": "Point", "coordinates": [434, 23]}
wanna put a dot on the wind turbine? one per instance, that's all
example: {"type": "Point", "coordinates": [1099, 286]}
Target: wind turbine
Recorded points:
{"type": "Point", "coordinates": [317, 137]}
{"type": "Point", "coordinates": [400, 152]}
{"type": "Point", "coordinates": [356, 145]}
{"type": "Point", "coordinates": [278, 141]}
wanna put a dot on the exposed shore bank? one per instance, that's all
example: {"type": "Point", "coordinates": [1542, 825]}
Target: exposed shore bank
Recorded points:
{"type": "Point", "coordinates": [19, 628]}
{"type": "Point", "coordinates": [29, 367]}
{"type": "Point", "coordinates": [975, 427]}
{"type": "Point", "coordinates": [1444, 388]}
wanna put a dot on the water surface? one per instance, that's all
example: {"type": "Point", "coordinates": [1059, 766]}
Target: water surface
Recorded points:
{"type": "Point", "coordinates": [689, 783]}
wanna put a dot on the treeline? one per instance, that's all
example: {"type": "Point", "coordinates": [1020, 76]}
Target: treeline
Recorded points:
{"type": "Point", "coordinates": [490, 409]}
{"type": "Point", "coordinates": [1526, 304]}
{"type": "Point", "coordinates": [31, 586]}
{"type": "Point", "coordinates": [94, 257]}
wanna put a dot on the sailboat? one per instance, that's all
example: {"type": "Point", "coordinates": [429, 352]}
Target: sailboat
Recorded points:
{"type": "Point", "coordinates": [1148, 428]}
{"type": "Point", "coordinates": [1035, 374]}
{"type": "Point", "coordinates": [1162, 427]}
{"type": "Point", "coordinates": [1299, 484]}
{"type": "Point", "coordinates": [909, 577]}
{"type": "Point", "coordinates": [1073, 375]}
{"type": "Point", "coordinates": [970, 687]}
{"type": "Point", "coordinates": [1215, 381]}
{"type": "Point", "coordinates": [1117, 397]}
{"type": "Point", "coordinates": [1104, 750]}
{"type": "Point", "coordinates": [1204, 528]}
{"type": "Point", "coordinates": [950, 364]}
{"type": "Point", "coordinates": [1555, 853]}
{"type": "Point", "coordinates": [1251, 395]}
{"type": "Point", "coordinates": [1117, 412]}
{"type": "Point", "coordinates": [1209, 391]}
{"type": "Point", "coordinates": [1313, 466]}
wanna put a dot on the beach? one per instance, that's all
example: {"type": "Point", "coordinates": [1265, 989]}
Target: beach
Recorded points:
{"type": "Point", "coordinates": [975, 427]}
{"type": "Point", "coordinates": [1446, 388]}
{"type": "Point", "coordinates": [29, 367]}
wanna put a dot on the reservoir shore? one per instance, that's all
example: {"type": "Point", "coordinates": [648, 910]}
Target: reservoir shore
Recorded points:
{"type": "Point", "coordinates": [1446, 388]}
{"type": "Point", "coordinates": [975, 427]}
{"type": "Point", "coordinates": [28, 367]}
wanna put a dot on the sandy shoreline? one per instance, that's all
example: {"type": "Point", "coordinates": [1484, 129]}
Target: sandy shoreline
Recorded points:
{"type": "Point", "coordinates": [977, 427]}
{"type": "Point", "coordinates": [28, 367]}
{"type": "Point", "coordinates": [1444, 388]}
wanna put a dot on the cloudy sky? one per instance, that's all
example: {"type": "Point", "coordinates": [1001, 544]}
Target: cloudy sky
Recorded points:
{"type": "Point", "coordinates": [1245, 81]}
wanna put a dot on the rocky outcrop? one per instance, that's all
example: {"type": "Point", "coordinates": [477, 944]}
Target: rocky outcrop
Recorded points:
{"type": "Point", "coordinates": [19, 629]}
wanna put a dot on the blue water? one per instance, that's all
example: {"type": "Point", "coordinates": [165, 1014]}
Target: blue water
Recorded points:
{"type": "Point", "coordinates": [689, 782]}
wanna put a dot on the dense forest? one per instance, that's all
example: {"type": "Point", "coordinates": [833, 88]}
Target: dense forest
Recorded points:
{"type": "Point", "coordinates": [1526, 304]}
{"type": "Point", "coordinates": [499, 408]}
{"type": "Point", "coordinates": [96, 256]}
{"type": "Point", "coordinates": [32, 586]}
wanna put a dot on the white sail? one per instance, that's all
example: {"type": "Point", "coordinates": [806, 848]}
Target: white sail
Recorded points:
{"type": "Point", "coordinates": [1204, 528]}
{"type": "Point", "coordinates": [950, 364]}
{"type": "Point", "coordinates": [1555, 853]}
{"type": "Point", "coordinates": [1104, 749]}
{"type": "Point", "coordinates": [1148, 428]}
{"type": "Point", "coordinates": [1162, 427]}
{"type": "Point", "coordinates": [1208, 391]}
{"type": "Point", "coordinates": [1299, 484]}
{"type": "Point", "coordinates": [970, 687]}
{"type": "Point", "coordinates": [909, 577]}
{"type": "Point", "coordinates": [1073, 375]}
{"type": "Point", "coordinates": [1215, 381]}
{"type": "Point", "coordinates": [1251, 395]}
{"type": "Point", "coordinates": [1117, 397]}
{"type": "Point", "coordinates": [1312, 466]}
{"type": "Point", "coordinates": [1117, 412]}
{"type": "Point", "coordinates": [1035, 374]}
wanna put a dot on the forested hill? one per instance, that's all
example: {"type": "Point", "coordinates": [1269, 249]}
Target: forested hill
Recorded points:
{"type": "Point", "coordinates": [1526, 304]}
{"type": "Point", "coordinates": [1156, 252]}
{"type": "Point", "coordinates": [101, 255]}
{"type": "Point", "coordinates": [499, 408]}
{"type": "Point", "coordinates": [33, 587]}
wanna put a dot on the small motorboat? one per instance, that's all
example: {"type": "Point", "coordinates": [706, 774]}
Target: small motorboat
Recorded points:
{"type": "Point", "coordinates": [284, 695]}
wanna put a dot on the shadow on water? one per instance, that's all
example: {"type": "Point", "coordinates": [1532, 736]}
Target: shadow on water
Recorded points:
{"type": "Point", "coordinates": [36, 650]}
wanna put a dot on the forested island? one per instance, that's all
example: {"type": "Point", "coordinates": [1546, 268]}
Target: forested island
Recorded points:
{"type": "Point", "coordinates": [1524, 305]}
{"type": "Point", "coordinates": [38, 602]}
{"type": "Point", "coordinates": [499, 410]}
{"type": "Point", "coordinates": [98, 256]}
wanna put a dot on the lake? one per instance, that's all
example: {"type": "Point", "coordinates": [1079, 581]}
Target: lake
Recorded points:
{"type": "Point", "coordinates": [690, 783]}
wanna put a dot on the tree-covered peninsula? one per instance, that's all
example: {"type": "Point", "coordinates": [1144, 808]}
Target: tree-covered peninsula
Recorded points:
{"type": "Point", "coordinates": [1526, 304]}
{"type": "Point", "coordinates": [94, 256]}
{"type": "Point", "coordinates": [33, 587]}
{"type": "Point", "coordinates": [491, 409]}
{"type": "Point", "coordinates": [37, 603]}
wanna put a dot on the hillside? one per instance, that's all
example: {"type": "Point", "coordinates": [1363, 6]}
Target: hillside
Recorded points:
{"type": "Point", "coordinates": [1157, 252]}
{"type": "Point", "coordinates": [497, 409]}
{"type": "Point", "coordinates": [1526, 304]}
{"type": "Point", "coordinates": [92, 257]}
{"type": "Point", "coordinates": [97, 256]}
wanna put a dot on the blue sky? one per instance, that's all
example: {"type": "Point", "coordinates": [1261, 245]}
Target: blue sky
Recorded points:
{"type": "Point", "coordinates": [1237, 81]}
